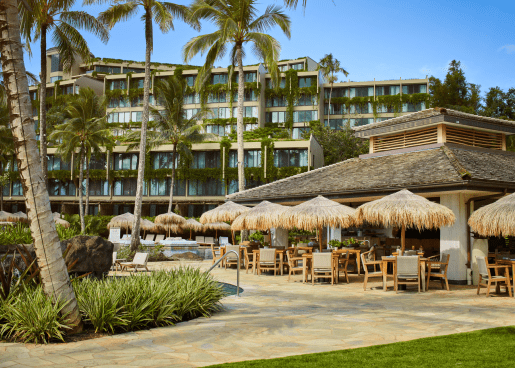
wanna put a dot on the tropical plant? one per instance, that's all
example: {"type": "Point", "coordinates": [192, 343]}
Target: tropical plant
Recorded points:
{"type": "Point", "coordinates": [164, 14]}
{"type": "Point", "coordinates": [55, 17]}
{"type": "Point", "coordinates": [54, 275]}
{"type": "Point", "coordinates": [6, 144]}
{"type": "Point", "coordinates": [329, 67]}
{"type": "Point", "coordinates": [237, 24]}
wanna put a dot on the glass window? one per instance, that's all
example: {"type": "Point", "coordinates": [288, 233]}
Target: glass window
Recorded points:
{"type": "Point", "coordinates": [305, 116]}
{"type": "Point", "coordinates": [304, 82]}
{"type": "Point", "coordinates": [335, 124]}
{"type": "Point", "coordinates": [98, 163]}
{"type": "Point", "coordinates": [233, 158]}
{"type": "Point", "coordinates": [252, 158]}
{"type": "Point", "coordinates": [232, 187]}
{"type": "Point", "coordinates": [290, 157]}
{"type": "Point", "coordinates": [414, 88]}
{"type": "Point", "coordinates": [210, 187]}
{"type": "Point", "coordinates": [108, 69]}
{"type": "Point", "coordinates": [54, 79]}
{"type": "Point", "coordinates": [17, 188]}
{"type": "Point", "coordinates": [67, 90]}
{"type": "Point", "coordinates": [409, 107]}
{"type": "Point", "coordinates": [55, 63]}
{"type": "Point", "coordinates": [205, 159]}
{"type": "Point", "coordinates": [161, 187]}
{"type": "Point", "coordinates": [133, 70]}
{"type": "Point", "coordinates": [299, 132]}
{"type": "Point", "coordinates": [163, 160]}
{"type": "Point", "coordinates": [118, 84]}
{"type": "Point", "coordinates": [59, 188]}
{"type": "Point", "coordinates": [125, 161]}
{"type": "Point", "coordinates": [190, 80]}
{"type": "Point", "coordinates": [219, 79]}
{"type": "Point", "coordinates": [54, 163]}
{"type": "Point", "coordinates": [337, 92]}
{"type": "Point", "coordinates": [361, 121]}
{"type": "Point", "coordinates": [387, 90]}
{"type": "Point", "coordinates": [298, 66]}
{"type": "Point", "coordinates": [127, 187]}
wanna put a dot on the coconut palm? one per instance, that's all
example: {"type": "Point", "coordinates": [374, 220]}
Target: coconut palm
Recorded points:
{"type": "Point", "coordinates": [329, 67]}
{"type": "Point", "coordinates": [6, 144]}
{"type": "Point", "coordinates": [85, 128]}
{"type": "Point", "coordinates": [164, 14]}
{"type": "Point", "coordinates": [54, 275]}
{"type": "Point", "coordinates": [237, 24]}
{"type": "Point", "coordinates": [49, 17]}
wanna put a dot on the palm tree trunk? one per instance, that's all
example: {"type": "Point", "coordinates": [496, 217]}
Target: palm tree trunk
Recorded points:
{"type": "Point", "coordinates": [239, 121]}
{"type": "Point", "coordinates": [54, 275]}
{"type": "Point", "coordinates": [170, 204]}
{"type": "Point", "coordinates": [81, 194]}
{"type": "Point", "coordinates": [143, 143]}
{"type": "Point", "coordinates": [42, 108]}
{"type": "Point", "coordinates": [86, 210]}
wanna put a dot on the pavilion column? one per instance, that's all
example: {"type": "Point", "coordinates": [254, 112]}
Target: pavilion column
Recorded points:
{"type": "Point", "coordinates": [453, 239]}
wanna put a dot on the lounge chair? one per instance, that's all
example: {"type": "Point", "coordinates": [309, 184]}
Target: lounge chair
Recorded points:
{"type": "Point", "coordinates": [438, 269]}
{"type": "Point", "coordinates": [140, 260]}
{"type": "Point", "coordinates": [268, 261]}
{"type": "Point", "coordinates": [199, 239]}
{"type": "Point", "coordinates": [406, 271]}
{"type": "Point", "coordinates": [322, 267]}
{"type": "Point", "coordinates": [116, 261]}
{"type": "Point", "coordinates": [150, 237]}
{"type": "Point", "coordinates": [209, 240]}
{"type": "Point", "coordinates": [485, 275]}
{"type": "Point", "coordinates": [159, 237]}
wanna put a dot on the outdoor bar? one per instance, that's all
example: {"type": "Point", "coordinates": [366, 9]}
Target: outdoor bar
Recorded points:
{"type": "Point", "coordinates": [452, 158]}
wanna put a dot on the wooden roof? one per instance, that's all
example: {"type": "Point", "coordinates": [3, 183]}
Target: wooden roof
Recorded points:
{"type": "Point", "coordinates": [451, 167]}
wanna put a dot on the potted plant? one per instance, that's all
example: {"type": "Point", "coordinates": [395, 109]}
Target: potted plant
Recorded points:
{"type": "Point", "coordinates": [334, 244]}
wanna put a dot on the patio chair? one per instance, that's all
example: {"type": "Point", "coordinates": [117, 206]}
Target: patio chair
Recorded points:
{"type": "Point", "coordinates": [368, 260]}
{"type": "Point", "coordinates": [209, 240]}
{"type": "Point", "coordinates": [485, 275]}
{"type": "Point", "coordinates": [116, 261]}
{"type": "Point", "coordinates": [343, 263]}
{"type": "Point", "coordinates": [438, 269]}
{"type": "Point", "coordinates": [159, 237]}
{"type": "Point", "coordinates": [140, 260]}
{"type": "Point", "coordinates": [231, 258]}
{"type": "Point", "coordinates": [150, 237]}
{"type": "Point", "coordinates": [322, 267]}
{"type": "Point", "coordinates": [268, 261]}
{"type": "Point", "coordinates": [406, 271]}
{"type": "Point", "coordinates": [293, 263]}
{"type": "Point", "coordinates": [199, 239]}
{"type": "Point", "coordinates": [217, 254]}
{"type": "Point", "coordinates": [410, 252]}
{"type": "Point", "coordinates": [249, 259]}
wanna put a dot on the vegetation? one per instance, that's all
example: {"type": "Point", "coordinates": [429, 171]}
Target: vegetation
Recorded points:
{"type": "Point", "coordinates": [465, 349]}
{"type": "Point", "coordinates": [236, 23]}
{"type": "Point", "coordinates": [329, 67]}
{"type": "Point", "coordinates": [6, 145]}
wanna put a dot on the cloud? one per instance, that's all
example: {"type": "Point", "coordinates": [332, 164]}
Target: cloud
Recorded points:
{"type": "Point", "coordinates": [510, 49]}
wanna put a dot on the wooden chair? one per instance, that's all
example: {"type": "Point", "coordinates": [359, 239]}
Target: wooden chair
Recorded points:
{"type": "Point", "coordinates": [438, 269]}
{"type": "Point", "coordinates": [406, 271]}
{"type": "Point", "coordinates": [217, 254]}
{"type": "Point", "coordinates": [322, 267]}
{"type": "Point", "coordinates": [231, 258]}
{"type": "Point", "coordinates": [116, 261]}
{"type": "Point", "coordinates": [268, 261]}
{"type": "Point", "coordinates": [249, 259]}
{"type": "Point", "coordinates": [293, 263]}
{"type": "Point", "coordinates": [342, 264]}
{"type": "Point", "coordinates": [368, 259]}
{"type": "Point", "coordinates": [140, 260]}
{"type": "Point", "coordinates": [485, 275]}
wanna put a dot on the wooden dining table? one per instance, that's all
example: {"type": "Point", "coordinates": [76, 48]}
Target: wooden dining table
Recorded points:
{"type": "Point", "coordinates": [507, 262]}
{"type": "Point", "coordinates": [392, 259]}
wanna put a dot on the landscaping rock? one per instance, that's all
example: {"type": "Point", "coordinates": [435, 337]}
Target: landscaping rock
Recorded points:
{"type": "Point", "coordinates": [93, 254]}
{"type": "Point", "coordinates": [187, 256]}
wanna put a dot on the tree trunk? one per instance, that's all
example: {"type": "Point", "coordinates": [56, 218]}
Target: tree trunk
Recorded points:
{"type": "Point", "coordinates": [2, 198]}
{"type": "Point", "coordinates": [86, 209]}
{"type": "Point", "coordinates": [54, 275]}
{"type": "Point", "coordinates": [42, 108]}
{"type": "Point", "coordinates": [170, 204]}
{"type": "Point", "coordinates": [81, 194]}
{"type": "Point", "coordinates": [239, 122]}
{"type": "Point", "coordinates": [143, 143]}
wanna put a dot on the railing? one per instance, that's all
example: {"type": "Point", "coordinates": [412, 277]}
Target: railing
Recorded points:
{"type": "Point", "coordinates": [237, 269]}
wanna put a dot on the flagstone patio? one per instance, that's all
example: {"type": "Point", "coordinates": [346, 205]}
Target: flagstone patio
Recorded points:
{"type": "Point", "coordinates": [276, 318]}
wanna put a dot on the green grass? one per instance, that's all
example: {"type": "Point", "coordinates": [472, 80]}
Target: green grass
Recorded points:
{"type": "Point", "coordinates": [486, 348]}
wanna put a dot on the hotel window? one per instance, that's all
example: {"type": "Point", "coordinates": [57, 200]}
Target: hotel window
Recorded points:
{"type": "Point", "coordinates": [118, 84]}
{"type": "Point", "coordinates": [249, 77]}
{"type": "Point", "coordinates": [275, 117]}
{"type": "Point", "coordinates": [67, 90]}
{"type": "Point", "coordinates": [219, 112]}
{"type": "Point", "coordinates": [307, 100]}
{"type": "Point", "coordinates": [337, 92]}
{"type": "Point", "coordinates": [190, 113]}
{"type": "Point", "coordinates": [127, 187]}
{"type": "Point", "coordinates": [250, 127]}
{"type": "Point", "coordinates": [387, 90]}
{"type": "Point", "coordinates": [192, 98]}
{"type": "Point", "coordinates": [163, 160]}
{"type": "Point", "coordinates": [97, 163]}
{"type": "Point", "coordinates": [361, 92]}
{"type": "Point", "coordinates": [298, 133]}
{"type": "Point", "coordinates": [305, 82]}
{"type": "Point", "coordinates": [232, 187]}
{"type": "Point", "coordinates": [205, 159]}
{"type": "Point", "coordinates": [219, 79]}
{"type": "Point", "coordinates": [97, 187]}
{"type": "Point", "coordinates": [335, 124]}
{"type": "Point", "coordinates": [17, 188]}
{"type": "Point", "coordinates": [269, 84]}
{"type": "Point", "coordinates": [414, 88]}
{"type": "Point", "coordinates": [365, 109]}
{"type": "Point", "coordinates": [251, 158]}
{"type": "Point", "coordinates": [108, 69]}
{"type": "Point", "coordinates": [33, 95]}
{"type": "Point", "coordinates": [219, 130]}
{"type": "Point", "coordinates": [59, 188]}
{"type": "Point", "coordinates": [125, 161]}
{"type": "Point", "coordinates": [290, 157]}
{"type": "Point", "coordinates": [409, 107]}
{"type": "Point", "coordinates": [336, 109]}
{"type": "Point", "coordinates": [55, 163]}
{"type": "Point", "coordinates": [248, 111]}
{"type": "Point", "coordinates": [55, 79]}
{"type": "Point", "coordinates": [133, 70]}
{"type": "Point", "coordinates": [139, 83]}
{"type": "Point", "coordinates": [161, 187]}
{"type": "Point", "coordinates": [360, 122]}
{"type": "Point", "coordinates": [210, 187]}
{"type": "Point", "coordinates": [119, 209]}
{"type": "Point", "coordinates": [283, 68]}
{"type": "Point", "coordinates": [305, 116]}
{"type": "Point", "coordinates": [298, 66]}
{"type": "Point", "coordinates": [119, 117]}
{"type": "Point", "coordinates": [55, 63]}
{"type": "Point", "coordinates": [276, 102]}
{"type": "Point", "coordinates": [118, 102]}
{"type": "Point", "coordinates": [5, 189]}
{"type": "Point", "coordinates": [217, 98]}
{"type": "Point", "coordinates": [191, 80]}
{"type": "Point", "coordinates": [136, 116]}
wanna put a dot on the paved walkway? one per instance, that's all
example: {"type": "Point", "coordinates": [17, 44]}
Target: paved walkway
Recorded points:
{"type": "Point", "coordinates": [274, 318]}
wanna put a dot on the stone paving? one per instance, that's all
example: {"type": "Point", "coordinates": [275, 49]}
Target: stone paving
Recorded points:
{"type": "Point", "coordinates": [277, 318]}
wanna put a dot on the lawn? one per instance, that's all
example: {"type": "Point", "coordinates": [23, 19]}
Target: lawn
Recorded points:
{"type": "Point", "coordinates": [486, 348]}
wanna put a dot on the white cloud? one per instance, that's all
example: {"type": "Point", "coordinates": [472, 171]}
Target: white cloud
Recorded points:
{"type": "Point", "coordinates": [510, 49]}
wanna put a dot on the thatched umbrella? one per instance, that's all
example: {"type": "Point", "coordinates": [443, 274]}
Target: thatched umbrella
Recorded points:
{"type": "Point", "coordinates": [169, 218]}
{"type": "Point", "coordinates": [225, 212]}
{"type": "Point", "coordinates": [192, 225]}
{"type": "Point", "coordinates": [496, 219]}
{"type": "Point", "coordinates": [316, 214]}
{"type": "Point", "coordinates": [167, 228]}
{"type": "Point", "coordinates": [217, 226]}
{"type": "Point", "coordinates": [145, 225]}
{"type": "Point", "coordinates": [122, 221]}
{"type": "Point", "coordinates": [405, 210]}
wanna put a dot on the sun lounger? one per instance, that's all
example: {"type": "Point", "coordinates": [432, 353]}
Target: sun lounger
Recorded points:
{"type": "Point", "coordinates": [150, 237]}
{"type": "Point", "coordinates": [140, 260]}
{"type": "Point", "coordinates": [159, 237]}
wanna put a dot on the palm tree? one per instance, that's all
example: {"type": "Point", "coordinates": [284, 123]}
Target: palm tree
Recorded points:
{"type": "Point", "coordinates": [6, 144]}
{"type": "Point", "coordinates": [54, 275]}
{"type": "Point", "coordinates": [164, 14]}
{"type": "Point", "coordinates": [329, 67]}
{"type": "Point", "coordinates": [85, 128]}
{"type": "Point", "coordinates": [237, 24]}
{"type": "Point", "coordinates": [56, 18]}
{"type": "Point", "coordinates": [171, 124]}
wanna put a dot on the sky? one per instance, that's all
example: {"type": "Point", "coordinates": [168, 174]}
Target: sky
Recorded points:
{"type": "Point", "coordinates": [372, 39]}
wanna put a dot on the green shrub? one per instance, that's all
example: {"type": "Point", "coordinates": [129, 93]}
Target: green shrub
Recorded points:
{"type": "Point", "coordinates": [29, 316]}
{"type": "Point", "coordinates": [15, 234]}
{"type": "Point", "coordinates": [65, 234]}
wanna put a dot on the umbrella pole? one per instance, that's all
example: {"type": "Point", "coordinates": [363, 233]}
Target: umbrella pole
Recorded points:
{"type": "Point", "coordinates": [190, 234]}
{"type": "Point", "coordinates": [216, 233]}
{"type": "Point", "coordinates": [320, 238]}
{"type": "Point", "coordinates": [403, 239]}
{"type": "Point", "coordinates": [270, 234]}
{"type": "Point", "coordinates": [232, 232]}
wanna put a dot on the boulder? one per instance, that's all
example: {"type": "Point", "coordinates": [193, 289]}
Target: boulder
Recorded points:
{"type": "Point", "coordinates": [187, 256]}
{"type": "Point", "coordinates": [90, 253]}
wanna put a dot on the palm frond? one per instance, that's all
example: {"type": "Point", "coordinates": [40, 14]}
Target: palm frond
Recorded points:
{"type": "Point", "coordinates": [118, 13]}
{"type": "Point", "coordinates": [273, 16]}
{"type": "Point", "coordinates": [83, 20]}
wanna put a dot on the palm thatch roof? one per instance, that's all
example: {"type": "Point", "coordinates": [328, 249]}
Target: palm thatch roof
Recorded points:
{"type": "Point", "coordinates": [317, 213]}
{"type": "Point", "coordinates": [264, 216]}
{"type": "Point", "coordinates": [225, 212]}
{"type": "Point", "coordinates": [496, 219]}
{"type": "Point", "coordinates": [217, 226]}
{"type": "Point", "coordinates": [166, 228]}
{"type": "Point", "coordinates": [192, 224]}
{"type": "Point", "coordinates": [146, 225]}
{"type": "Point", "coordinates": [121, 221]}
{"type": "Point", "coordinates": [169, 219]}
{"type": "Point", "coordinates": [405, 209]}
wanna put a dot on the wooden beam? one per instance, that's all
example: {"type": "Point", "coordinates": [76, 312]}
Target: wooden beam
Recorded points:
{"type": "Point", "coordinates": [372, 144]}
{"type": "Point", "coordinates": [442, 133]}
{"type": "Point", "coordinates": [503, 142]}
